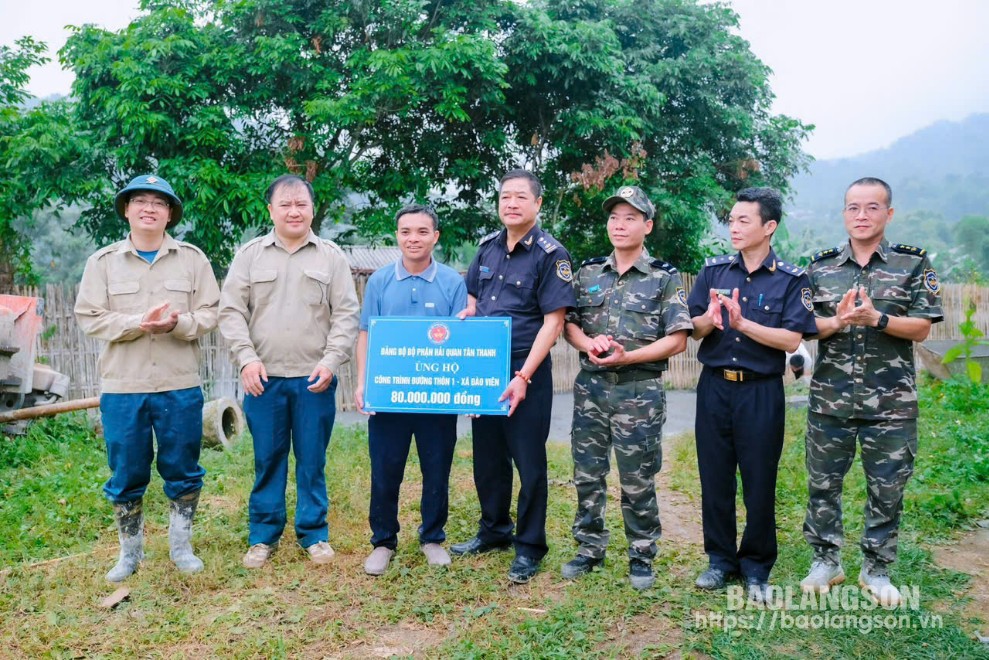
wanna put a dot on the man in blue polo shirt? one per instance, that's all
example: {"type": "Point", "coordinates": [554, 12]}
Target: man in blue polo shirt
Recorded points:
{"type": "Point", "coordinates": [415, 285]}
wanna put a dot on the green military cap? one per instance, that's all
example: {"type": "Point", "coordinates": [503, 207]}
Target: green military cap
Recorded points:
{"type": "Point", "coordinates": [150, 183]}
{"type": "Point", "coordinates": [633, 195]}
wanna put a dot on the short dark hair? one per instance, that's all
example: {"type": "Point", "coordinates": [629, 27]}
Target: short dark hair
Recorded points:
{"type": "Point", "coordinates": [769, 200]}
{"type": "Point", "coordinates": [872, 181]}
{"type": "Point", "coordinates": [289, 180]}
{"type": "Point", "coordinates": [425, 209]}
{"type": "Point", "coordinates": [534, 183]}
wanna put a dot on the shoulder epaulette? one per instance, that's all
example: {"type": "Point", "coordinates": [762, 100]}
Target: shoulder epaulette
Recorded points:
{"type": "Point", "coordinates": [333, 246]}
{"type": "Point", "coordinates": [489, 237]}
{"type": "Point", "coordinates": [789, 269]}
{"type": "Point", "coordinates": [190, 245]}
{"type": "Point", "coordinates": [907, 249]}
{"type": "Point", "coordinates": [663, 265]}
{"type": "Point", "coordinates": [251, 242]}
{"type": "Point", "coordinates": [102, 252]}
{"type": "Point", "coordinates": [717, 261]}
{"type": "Point", "coordinates": [825, 254]}
{"type": "Point", "coordinates": [547, 243]}
{"type": "Point", "coordinates": [592, 261]}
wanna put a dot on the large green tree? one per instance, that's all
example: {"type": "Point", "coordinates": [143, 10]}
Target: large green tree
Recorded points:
{"type": "Point", "coordinates": [378, 102]}
{"type": "Point", "coordinates": [660, 93]}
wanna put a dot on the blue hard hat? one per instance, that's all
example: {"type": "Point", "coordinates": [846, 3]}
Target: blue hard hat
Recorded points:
{"type": "Point", "coordinates": [150, 183]}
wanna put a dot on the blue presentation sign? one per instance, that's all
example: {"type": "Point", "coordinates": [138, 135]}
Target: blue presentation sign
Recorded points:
{"type": "Point", "coordinates": [428, 364]}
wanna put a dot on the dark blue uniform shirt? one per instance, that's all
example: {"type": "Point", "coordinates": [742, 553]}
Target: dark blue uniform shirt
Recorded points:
{"type": "Point", "coordinates": [776, 295]}
{"type": "Point", "coordinates": [532, 280]}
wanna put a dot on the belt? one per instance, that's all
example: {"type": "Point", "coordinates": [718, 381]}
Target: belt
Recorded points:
{"type": "Point", "coordinates": [628, 376]}
{"type": "Point", "coordinates": [742, 376]}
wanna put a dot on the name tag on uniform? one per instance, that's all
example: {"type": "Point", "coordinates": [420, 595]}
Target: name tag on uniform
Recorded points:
{"type": "Point", "coordinates": [485, 269]}
{"type": "Point", "coordinates": [430, 305]}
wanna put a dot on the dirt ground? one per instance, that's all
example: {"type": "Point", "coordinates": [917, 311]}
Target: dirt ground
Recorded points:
{"type": "Point", "coordinates": [971, 555]}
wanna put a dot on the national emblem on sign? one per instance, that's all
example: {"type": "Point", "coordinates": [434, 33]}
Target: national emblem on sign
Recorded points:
{"type": "Point", "coordinates": [439, 333]}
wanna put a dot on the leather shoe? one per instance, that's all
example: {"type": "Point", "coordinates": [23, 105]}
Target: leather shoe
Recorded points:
{"type": "Point", "coordinates": [476, 546]}
{"type": "Point", "coordinates": [523, 569]}
{"type": "Point", "coordinates": [756, 590]}
{"type": "Point", "coordinates": [713, 578]}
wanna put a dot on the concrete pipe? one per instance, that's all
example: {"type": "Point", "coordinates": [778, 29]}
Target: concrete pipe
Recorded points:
{"type": "Point", "coordinates": [223, 423]}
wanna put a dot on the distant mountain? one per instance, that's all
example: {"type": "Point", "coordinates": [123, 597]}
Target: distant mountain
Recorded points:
{"type": "Point", "coordinates": [941, 169]}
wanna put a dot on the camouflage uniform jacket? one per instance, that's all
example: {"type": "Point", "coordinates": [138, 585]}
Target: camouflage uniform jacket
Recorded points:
{"type": "Point", "coordinates": [637, 308]}
{"type": "Point", "coordinates": [863, 372]}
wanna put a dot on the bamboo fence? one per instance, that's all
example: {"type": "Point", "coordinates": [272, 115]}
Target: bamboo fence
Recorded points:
{"type": "Point", "coordinates": [67, 350]}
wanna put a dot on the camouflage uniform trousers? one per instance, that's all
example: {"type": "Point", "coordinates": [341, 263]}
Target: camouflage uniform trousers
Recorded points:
{"type": "Point", "coordinates": [628, 416]}
{"type": "Point", "coordinates": [888, 451]}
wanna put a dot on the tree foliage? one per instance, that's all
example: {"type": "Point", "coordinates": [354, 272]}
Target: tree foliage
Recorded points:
{"type": "Point", "coordinates": [381, 102]}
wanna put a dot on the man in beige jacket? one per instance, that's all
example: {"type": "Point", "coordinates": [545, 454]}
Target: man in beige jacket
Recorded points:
{"type": "Point", "coordinates": [150, 298]}
{"type": "Point", "coordinates": [289, 313]}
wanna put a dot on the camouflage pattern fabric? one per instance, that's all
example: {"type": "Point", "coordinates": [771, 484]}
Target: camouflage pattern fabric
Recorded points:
{"type": "Point", "coordinates": [629, 416]}
{"type": "Point", "coordinates": [864, 373]}
{"type": "Point", "coordinates": [647, 303]}
{"type": "Point", "coordinates": [888, 451]}
{"type": "Point", "coordinates": [626, 407]}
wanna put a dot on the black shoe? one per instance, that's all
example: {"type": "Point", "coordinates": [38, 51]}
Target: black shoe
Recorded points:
{"type": "Point", "coordinates": [476, 546]}
{"type": "Point", "coordinates": [757, 590]}
{"type": "Point", "coordinates": [523, 569]}
{"type": "Point", "coordinates": [713, 578]}
{"type": "Point", "coordinates": [580, 565]}
{"type": "Point", "coordinates": [640, 573]}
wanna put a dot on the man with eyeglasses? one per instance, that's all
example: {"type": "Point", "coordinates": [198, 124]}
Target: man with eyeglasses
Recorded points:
{"type": "Point", "coordinates": [150, 298]}
{"type": "Point", "coordinates": [872, 299]}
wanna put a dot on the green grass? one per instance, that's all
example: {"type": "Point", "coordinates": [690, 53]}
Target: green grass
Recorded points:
{"type": "Point", "coordinates": [51, 507]}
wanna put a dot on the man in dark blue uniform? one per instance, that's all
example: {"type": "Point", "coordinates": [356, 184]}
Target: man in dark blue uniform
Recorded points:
{"type": "Point", "coordinates": [749, 309]}
{"type": "Point", "coordinates": [521, 272]}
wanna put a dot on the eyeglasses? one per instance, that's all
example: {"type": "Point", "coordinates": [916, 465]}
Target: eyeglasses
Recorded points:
{"type": "Point", "coordinates": [870, 209]}
{"type": "Point", "coordinates": [154, 203]}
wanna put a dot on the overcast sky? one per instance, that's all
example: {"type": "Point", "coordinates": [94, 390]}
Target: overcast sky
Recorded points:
{"type": "Point", "coordinates": [865, 72]}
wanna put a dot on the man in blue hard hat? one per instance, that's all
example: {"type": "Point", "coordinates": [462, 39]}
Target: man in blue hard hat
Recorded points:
{"type": "Point", "coordinates": [150, 298]}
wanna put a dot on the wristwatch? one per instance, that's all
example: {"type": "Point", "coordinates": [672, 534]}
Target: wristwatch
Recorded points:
{"type": "Point", "coordinates": [883, 322]}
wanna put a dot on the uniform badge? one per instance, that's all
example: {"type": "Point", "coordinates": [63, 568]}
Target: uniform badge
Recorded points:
{"type": "Point", "coordinates": [151, 179]}
{"type": "Point", "coordinates": [627, 192]}
{"type": "Point", "coordinates": [931, 281]}
{"type": "Point", "coordinates": [805, 298]}
{"type": "Point", "coordinates": [594, 289]}
{"type": "Point", "coordinates": [682, 295]}
{"type": "Point", "coordinates": [439, 333]}
{"type": "Point", "coordinates": [563, 270]}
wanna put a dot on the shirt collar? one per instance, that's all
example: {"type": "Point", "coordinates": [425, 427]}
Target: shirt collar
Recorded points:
{"type": "Point", "coordinates": [401, 272]}
{"type": "Point", "coordinates": [641, 264]}
{"type": "Point", "coordinates": [528, 241]}
{"type": "Point", "coordinates": [167, 244]}
{"type": "Point", "coordinates": [272, 239]}
{"type": "Point", "coordinates": [770, 263]}
{"type": "Point", "coordinates": [882, 250]}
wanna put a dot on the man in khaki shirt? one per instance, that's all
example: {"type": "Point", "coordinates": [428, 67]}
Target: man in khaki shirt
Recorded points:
{"type": "Point", "coordinates": [289, 312]}
{"type": "Point", "coordinates": [150, 298]}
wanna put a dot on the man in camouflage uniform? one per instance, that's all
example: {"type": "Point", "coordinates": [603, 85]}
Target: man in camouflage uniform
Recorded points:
{"type": "Point", "coordinates": [631, 316]}
{"type": "Point", "coordinates": [872, 300]}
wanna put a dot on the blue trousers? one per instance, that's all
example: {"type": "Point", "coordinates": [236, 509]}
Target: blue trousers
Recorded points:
{"type": "Point", "coordinates": [389, 440]}
{"type": "Point", "coordinates": [288, 416]}
{"type": "Point", "coordinates": [497, 442]}
{"type": "Point", "coordinates": [739, 425]}
{"type": "Point", "coordinates": [176, 419]}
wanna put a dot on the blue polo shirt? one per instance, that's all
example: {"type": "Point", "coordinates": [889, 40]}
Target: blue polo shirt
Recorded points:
{"type": "Point", "coordinates": [776, 295]}
{"type": "Point", "coordinates": [393, 291]}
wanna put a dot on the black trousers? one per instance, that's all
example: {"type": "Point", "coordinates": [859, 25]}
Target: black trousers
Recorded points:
{"type": "Point", "coordinates": [739, 425]}
{"type": "Point", "coordinates": [498, 442]}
